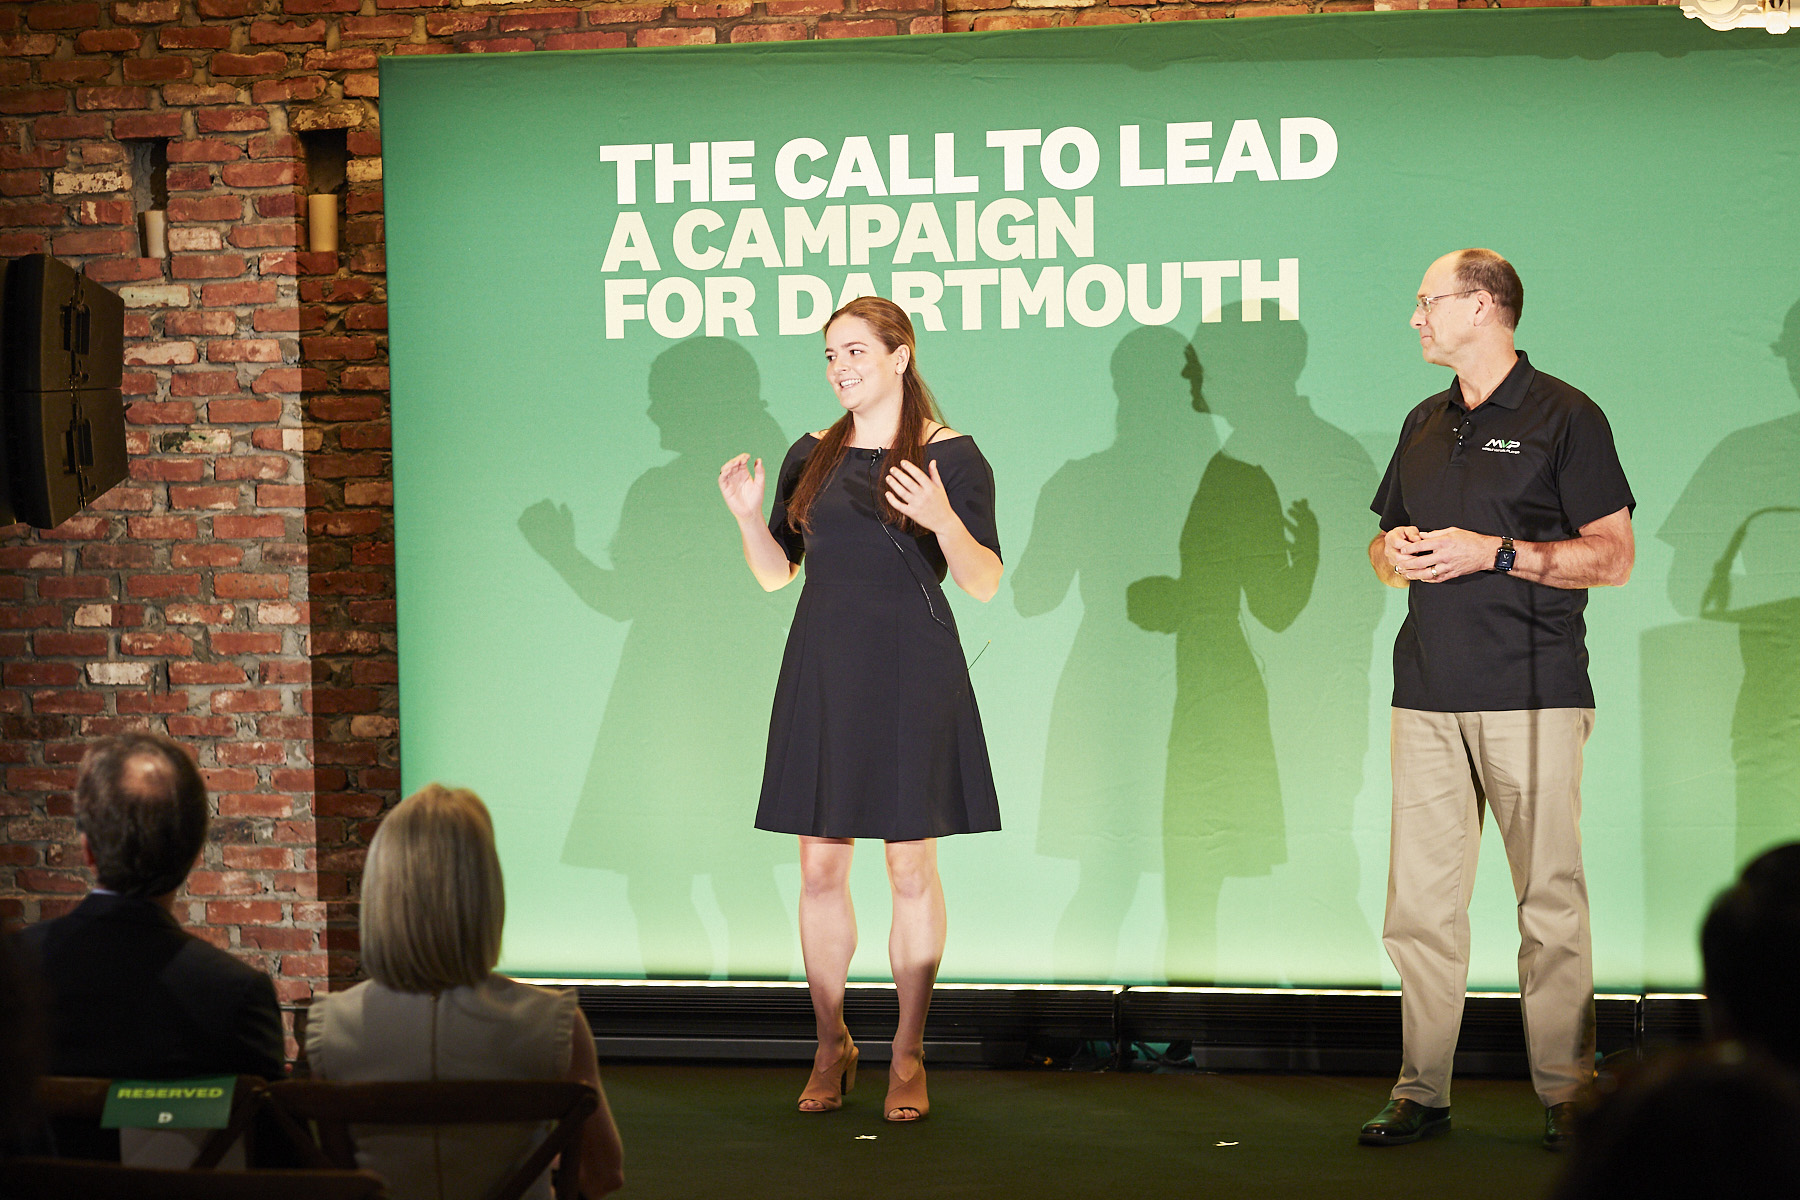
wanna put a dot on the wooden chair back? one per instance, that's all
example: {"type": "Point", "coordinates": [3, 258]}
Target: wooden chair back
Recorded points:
{"type": "Point", "coordinates": [81, 1100]}
{"type": "Point", "coordinates": [62, 1178]}
{"type": "Point", "coordinates": [319, 1115]}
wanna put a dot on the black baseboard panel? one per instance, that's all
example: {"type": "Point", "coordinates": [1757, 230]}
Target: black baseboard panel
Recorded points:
{"type": "Point", "coordinates": [1252, 1029]}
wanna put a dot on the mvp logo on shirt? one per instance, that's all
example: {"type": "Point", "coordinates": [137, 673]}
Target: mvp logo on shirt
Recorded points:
{"type": "Point", "coordinates": [1501, 446]}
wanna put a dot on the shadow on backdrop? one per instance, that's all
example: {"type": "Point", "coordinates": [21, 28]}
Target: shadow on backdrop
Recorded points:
{"type": "Point", "coordinates": [1736, 536]}
{"type": "Point", "coordinates": [1316, 669]}
{"type": "Point", "coordinates": [671, 790]}
{"type": "Point", "coordinates": [1102, 522]}
{"type": "Point", "coordinates": [1222, 811]}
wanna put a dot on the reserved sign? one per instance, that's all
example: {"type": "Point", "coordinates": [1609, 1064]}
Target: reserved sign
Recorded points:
{"type": "Point", "coordinates": [169, 1103]}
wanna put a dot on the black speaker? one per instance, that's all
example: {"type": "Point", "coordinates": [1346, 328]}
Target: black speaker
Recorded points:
{"type": "Point", "coordinates": [62, 353]}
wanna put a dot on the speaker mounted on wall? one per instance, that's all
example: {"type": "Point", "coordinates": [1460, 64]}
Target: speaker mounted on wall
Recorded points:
{"type": "Point", "coordinates": [62, 354]}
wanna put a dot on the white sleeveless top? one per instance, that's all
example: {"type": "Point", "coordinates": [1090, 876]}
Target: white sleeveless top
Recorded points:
{"type": "Point", "coordinates": [498, 1029]}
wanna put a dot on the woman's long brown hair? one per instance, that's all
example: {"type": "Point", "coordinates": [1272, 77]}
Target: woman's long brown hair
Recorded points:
{"type": "Point", "coordinates": [917, 406]}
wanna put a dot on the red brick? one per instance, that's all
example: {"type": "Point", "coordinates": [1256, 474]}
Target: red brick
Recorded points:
{"type": "Point", "coordinates": [203, 383]}
{"type": "Point", "coordinates": [163, 585]}
{"type": "Point", "coordinates": [246, 643]}
{"type": "Point", "coordinates": [332, 349]}
{"type": "Point", "coordinates": [74, 587]}
{"type": "Point", "coordinates": [246, 701]}
{"type": "Point", "coordinates": [292, 379]}
{"type": "Point", "coordinates": [95, 241]}
{"type": "Point", "coordinates": [78, 125]}
{"type": "Point", "coordinates": [14, 244]}
{"type": "Point", "coordinates": [201, 323]}
{"type": "Point", "coordinates": [112, 97]}
{"type": "Point", "coordinates": [147, 12]}
{"type": "Point", "coordinates": [27, 45]}
{"type": "Point", "coordinates": [376, 28]}
{"type": "Point", "coordinates": [343, 700]}
{"type": "Point", "coordinates": [262, 174]}
{"type": "Point", "coordinates": [243, 912]}
{"type": "Point", "coordinates": [147, 412]}
{"type": "Point", "coordinates": [625, 14]}
{"type": "Point", "coordinates": [244, 350]}
{"type": "Point", "coordinates": [279, 495]}
{"type": "Point", "coordinates": [504, 45]}
{"type": "Point", "coordinates": [18, 103]}
{"type": "Point", "coordinates": [231, 295]}
{"type": "Point", "coordinates": [149, 125]}
{"type": "Point", "coordinates": [203, 497]}
{"type": "Point", "coordinates": [204, 150]}
{"type": "Point", "coordinates": [276, 33]}
{"type": "Point", "coordinates": [250, 237]}
{"type": "Point", "coordinates": [357, 58]}
{"type": "Point", "coordinates": [231, 120]}
{"type": "Point", "coordinates": [83, 645]}
{"type": "Point", "coordinates": [78, 70]}
{"type": "Point", "coordinates": [195, 178]}
{"type": "Point", "coordinates": [107, 41]}
{"type": "Point", "coordinates": [777, 31]}
{"type": "Point", "coordinates": [205, 266]}
{"type": "Point", "coordinates": [702, 35]}
{"type": "Point", "coordinates": [199, 614]}
{"type": "Point", "coordinates": [243, 412]}
{"type": "Point", "coordinates": [177, 470]}
{"type": "Point", "coordinates": [270, 62]}
{"type": "Point", "coordinates": [553, 18]}
{"type": "Point", "coordinates": [62, 16]}
{"type": "Point", "coordinates": [298, 7]}
{"type": "Point", "coordinates": [279, 204]}
{"type": "Point", "coordinates": [172, 645]}
{"type": "Point", "coordinates": [232, 528]}
{"type": "Point", "coordinates": [194, 673]}
{"type": "Point", "coordinates": [42, 674]}
{"type": "Point", "coordinates": [193, 94]}
{"type": "Point", "coordinates": [184, 726]}
{"type": "Point", "coordinates": [31, 214]}
{"type": "Point", "coordinates": [81, 703]}
{"type": "Point", "coordinates": [158, 70]}
{"type": "Point", "coordinates": [280, 91]}
{"type": "Point", "coordinates": [206, 554]}
{"type": "Point", "coordinates": [162, 528]}
{"type": "Point", "coordinates": [195, 37]}
{"type": "Point", "coordinates": [251, 466]}
{"type": "Point", "coordinates": [110, 212]}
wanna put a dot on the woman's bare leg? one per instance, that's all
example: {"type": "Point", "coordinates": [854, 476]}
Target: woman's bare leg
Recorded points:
{"type": "Point", "coordinates": [915, 945]}
{"type": "Point", "coordinates": [827, 942]}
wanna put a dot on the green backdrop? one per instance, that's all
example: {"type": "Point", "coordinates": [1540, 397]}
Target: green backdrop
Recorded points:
{"type": "Point", "coordinates": [581, 643]}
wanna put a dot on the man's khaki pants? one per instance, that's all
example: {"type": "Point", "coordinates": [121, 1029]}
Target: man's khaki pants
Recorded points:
{"type": "Point", "coordinates": [1525, 765]}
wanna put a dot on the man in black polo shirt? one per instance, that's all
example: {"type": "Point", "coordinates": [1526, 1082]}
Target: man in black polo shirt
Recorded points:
{"type": "Point", "coordinates": [1503, 504]}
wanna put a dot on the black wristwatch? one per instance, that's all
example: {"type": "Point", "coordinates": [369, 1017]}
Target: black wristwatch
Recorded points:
{"type": "Point", "coordinates": [1503, 557]}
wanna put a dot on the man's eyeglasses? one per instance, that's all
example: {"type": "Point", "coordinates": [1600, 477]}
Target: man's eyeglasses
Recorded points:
{"type": "Point", "coordinates": [1425, 302]}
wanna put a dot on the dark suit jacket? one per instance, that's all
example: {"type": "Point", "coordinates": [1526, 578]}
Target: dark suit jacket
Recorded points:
{"type": "Point", "coordinates": [132, 996]}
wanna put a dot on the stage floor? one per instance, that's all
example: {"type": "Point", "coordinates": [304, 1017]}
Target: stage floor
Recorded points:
{"type": "Point", "coordinates": [731, 1131]}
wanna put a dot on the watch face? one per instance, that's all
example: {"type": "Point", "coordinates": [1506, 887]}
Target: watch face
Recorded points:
{"type": "Point", "coordinates": [1503, 560]}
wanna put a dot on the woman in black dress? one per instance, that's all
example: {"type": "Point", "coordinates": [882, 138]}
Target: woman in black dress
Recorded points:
{"type": "Point", "coordinates": [874, 732]}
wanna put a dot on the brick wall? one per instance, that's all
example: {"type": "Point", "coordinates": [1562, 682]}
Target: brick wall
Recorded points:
{"type": "Point", "coordinates": [237, 591]}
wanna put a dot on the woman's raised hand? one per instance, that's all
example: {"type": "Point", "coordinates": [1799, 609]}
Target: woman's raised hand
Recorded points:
{"type": "Point", "coordinates": [921, 496]}
{"type": "Point", "coordinates": [742, 487]}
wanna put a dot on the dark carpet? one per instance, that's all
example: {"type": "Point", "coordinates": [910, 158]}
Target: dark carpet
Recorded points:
{"type": "Point", "coordinates": [731, 1131]}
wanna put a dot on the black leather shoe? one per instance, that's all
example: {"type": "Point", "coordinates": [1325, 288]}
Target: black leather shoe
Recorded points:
{"type": "Point", "coordinates": [1559, 1126]}
{"type": "Point", "coordinates": [1404, 1121]}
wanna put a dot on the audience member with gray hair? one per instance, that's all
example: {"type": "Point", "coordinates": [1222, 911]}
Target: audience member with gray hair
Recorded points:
{"type": "Point", "coordinates": [433, 905]}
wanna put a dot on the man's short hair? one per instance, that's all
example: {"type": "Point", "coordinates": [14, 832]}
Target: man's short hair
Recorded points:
{"type": "Point", "coordinates": [1750, 950]}
{"type": "Point", "coordinates": [1483, 270]}
{"type": "Point", "coordinates": [142, 805]}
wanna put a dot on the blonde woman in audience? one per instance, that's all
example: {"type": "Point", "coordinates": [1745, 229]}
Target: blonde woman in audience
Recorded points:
{"type": "Point", "coordinates": [433, 904]}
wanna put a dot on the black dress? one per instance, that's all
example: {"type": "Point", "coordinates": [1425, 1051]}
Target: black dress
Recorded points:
{"type": "Point", "coordinates": [874, 732]}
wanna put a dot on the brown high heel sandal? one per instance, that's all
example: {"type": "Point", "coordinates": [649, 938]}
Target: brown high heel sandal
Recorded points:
{"type": "Point", "coordinates": [906, 1096]}
{"type": "Point", "coordinates": [827, 1087]}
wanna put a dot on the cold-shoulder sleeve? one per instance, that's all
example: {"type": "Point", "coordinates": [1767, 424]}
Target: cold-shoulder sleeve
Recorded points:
{"type": "Point", "coordinates": [969, 482]}
{"type": "Point", "coordinates": [791, 541]}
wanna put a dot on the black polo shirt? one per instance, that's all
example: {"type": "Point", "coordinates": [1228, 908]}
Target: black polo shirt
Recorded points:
{"type": "Point", "coordinates": [1534, 462]}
